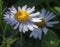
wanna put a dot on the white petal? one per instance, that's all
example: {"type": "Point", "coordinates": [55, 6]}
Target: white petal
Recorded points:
{"type": "Point", "coordinates": [13, 12]}
{"type": "Point", "coordinates": [19, 8]}
{"type": "Point", "coordinates": [43, 12]}
{"type": "Point", "coordinates": [10, 9]}
{"type": "Point", "coordinates": [24, 7]}
{"type": "Point", "coordinates": [53, 22]}
{"type": "Point", "coordinates": [49, 25]}
{"type": "Point", "coordinates": [31, 10]}
{"type": "Point", "coordinates": [5, 15]}
{"type": "Point", "coordinates": [45, 30]}
{"type": "Point", "coordinates": [7, 19]}
{"type": "Point", "coordinates": [40, 33]}
{"type": "Point", "coordinates": [35, 26]}
{"type": "Point", "coordinates": [51, 17]}
{"type": "Point", "coordinates": [21, 27]}
{"type": "Point", "coordinates": [51, 14]}
{"type": "Point", "coordinates": [33, 34]}
{"type": "Point", "coordinates": [46, 16]}
{"type": "Point", "coordinates": [47, 13]}
{"type": "Point", "coordinates": [30, 27]}
{"type": "Point", "coordinates": [13, 8]}
{"type": "Point", "coordinates": [35, 20]}
{"type": "Point", "coordinates": [36, 33]}
{"type": "Point", "coordinates": [7, 12]}
{"type": "Point", "coordinates": [28, 9]}
{"type": "Point", "coordinates": [12, 20]}
{"type": "Point", "coordinates": [13, 23]}
{"type": "Point", "coordinates": [16, 26]}
{"type": "Point", "coordinates": [25, 28]}
{"type": "Point", "coordinates": [8, 22]}
{"type": "Point", "coordinates": [35, 14]}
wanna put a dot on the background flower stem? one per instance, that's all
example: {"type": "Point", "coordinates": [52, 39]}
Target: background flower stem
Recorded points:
{"type": "Point", "coordinates": [20, 39]}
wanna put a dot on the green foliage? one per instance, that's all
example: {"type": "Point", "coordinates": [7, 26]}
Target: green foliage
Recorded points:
{"type": "Point", "coordinates": [50, 40]}
{"type": "Point", "coordinates": [58, 9]}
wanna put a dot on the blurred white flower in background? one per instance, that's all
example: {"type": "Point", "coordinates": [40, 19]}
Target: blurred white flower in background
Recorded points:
{"type": "Point", "coordinates": [44, 24]}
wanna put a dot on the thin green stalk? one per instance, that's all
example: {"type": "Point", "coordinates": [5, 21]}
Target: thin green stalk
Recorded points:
{"type": "Point", "coordinates": [4, 10]}
{"type": "Point", "coordinates": [20, 39]}
{"type": "Point", "coordinates": [1, 14]}
{"type": "Point", "coordinates": [8, 45]}
{"type": "Point", "coordinates": [0, 7]}
{"type": "Point", "coordinates": [5, 29]}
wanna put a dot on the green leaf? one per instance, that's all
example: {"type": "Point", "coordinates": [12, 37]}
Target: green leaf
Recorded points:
{"type": "Point", "coordinates": [1, 14]}
{"type": "Point", "coordinates": [11, 40]}
{"type": "Point", "coordinates": [50, 40]}
{"type": "Point", "coordinates": [57, 9]}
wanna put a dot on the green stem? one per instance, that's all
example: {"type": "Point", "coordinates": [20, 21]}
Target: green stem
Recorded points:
{"type": "Point", "coordinates": [8, 45]}
{"type": "Point", "coordinates": [4, 10]}
{"type": "Point", "coordinates": [20, 39]}
{"type": "Point", "coordinates": [1, 14]}
{"type": "Point", "coordinates": [0, 7]}
{"type": "Point", "coordinates": [5, 29]}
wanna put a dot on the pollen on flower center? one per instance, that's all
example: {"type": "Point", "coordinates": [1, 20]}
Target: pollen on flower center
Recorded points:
{"type": "Point", "coordinates": [40, 24]}
{"type": "Point", "coordinates": [22, 16]}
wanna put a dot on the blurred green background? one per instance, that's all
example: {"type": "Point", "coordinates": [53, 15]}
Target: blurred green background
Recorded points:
{"type": "Point", "coordinates": [11, 38]}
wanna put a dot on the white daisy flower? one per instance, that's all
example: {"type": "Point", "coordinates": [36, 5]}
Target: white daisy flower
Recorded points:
{"type": "Point", "coordinates": [22, 18]}
{"type": "Point", "coordinates": [46, 17]}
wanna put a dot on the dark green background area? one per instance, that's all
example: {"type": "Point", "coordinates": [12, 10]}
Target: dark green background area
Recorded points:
{"type": "Point", "coordinates": [12, 37]}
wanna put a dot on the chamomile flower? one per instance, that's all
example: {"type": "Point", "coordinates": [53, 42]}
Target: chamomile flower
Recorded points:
{"type": "Point", "coordinates": [22, 18]}
{"type": "Point", "coordinates": [46, 22]}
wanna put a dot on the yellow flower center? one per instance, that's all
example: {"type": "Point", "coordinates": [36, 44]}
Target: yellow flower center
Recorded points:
{"type": "Point", "coordinates": [22, 16]}
{"type": "Point", "coordinates": [40, 24]}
